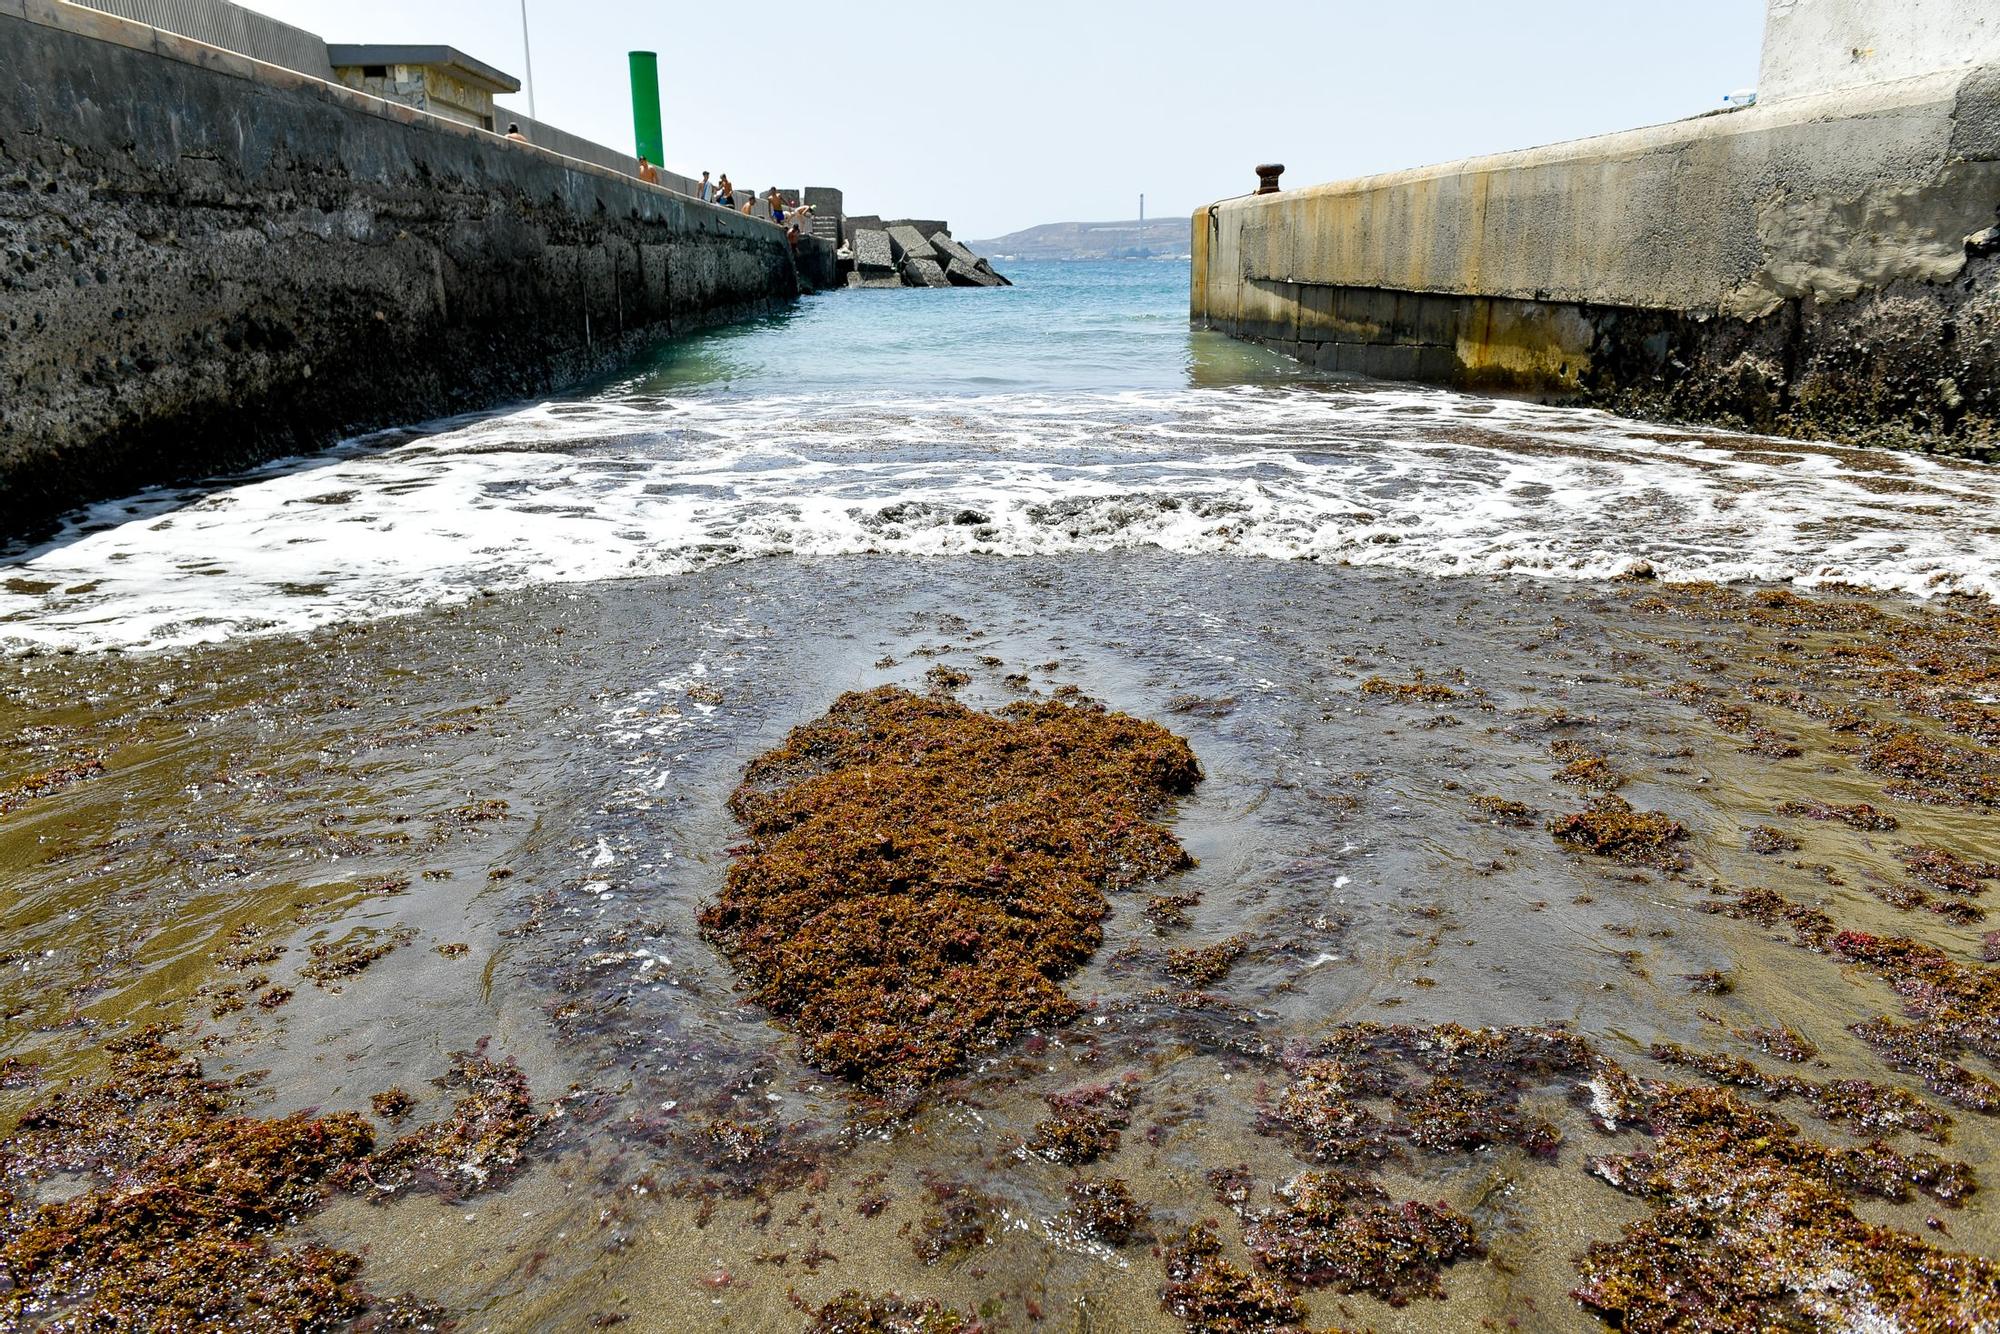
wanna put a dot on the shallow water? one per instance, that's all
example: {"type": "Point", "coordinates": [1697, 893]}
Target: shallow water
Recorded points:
{"type": "Point", "coordinates": [587, 639]}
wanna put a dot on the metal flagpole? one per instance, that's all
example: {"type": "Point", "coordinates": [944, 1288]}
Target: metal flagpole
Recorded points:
{"type": "Point", "coordinates": [528, 55]}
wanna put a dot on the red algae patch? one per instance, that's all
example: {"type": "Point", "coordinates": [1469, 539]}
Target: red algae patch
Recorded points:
{"type": "Point", "coordinates": [1210, 1295]}
{"type": "Point", "coordinates": [921, 876]}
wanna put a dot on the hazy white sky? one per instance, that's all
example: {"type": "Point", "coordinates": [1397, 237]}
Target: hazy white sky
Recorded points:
{"type": "Point", "coordinates": [1002, 116]}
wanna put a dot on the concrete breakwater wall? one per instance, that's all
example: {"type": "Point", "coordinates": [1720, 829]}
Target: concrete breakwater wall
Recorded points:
{"type": "Point", "coordinates": [1815, 266]}
{"type": "Point", "coordinates": [206, 261]}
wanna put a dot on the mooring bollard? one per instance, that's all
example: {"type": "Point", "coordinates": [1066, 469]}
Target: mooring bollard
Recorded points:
{"type": "Point", "coordinates": [1267, 178]}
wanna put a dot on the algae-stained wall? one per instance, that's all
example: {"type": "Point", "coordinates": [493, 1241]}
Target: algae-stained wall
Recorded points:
{"type": "Point", "coordinates": [1817, 46]}
{"type": "Point", "coordinates": [1802, 265]}
{"type": "Point", "coordinates": [205, 261]}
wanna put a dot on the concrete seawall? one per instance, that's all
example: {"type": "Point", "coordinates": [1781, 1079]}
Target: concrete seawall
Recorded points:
{"type": "Point", "coordinates": [1799, 267]}
{"type": "Point", "coordinates": [207, 261]}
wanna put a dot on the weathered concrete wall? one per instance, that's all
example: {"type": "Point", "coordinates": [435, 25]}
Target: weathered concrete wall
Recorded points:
{"type": "Point", "coordinates": [1797, 266]}
{"type": "Point", "coordinates": [206, 261]}
{"type": "Point", "coordinates": [1818, 46]}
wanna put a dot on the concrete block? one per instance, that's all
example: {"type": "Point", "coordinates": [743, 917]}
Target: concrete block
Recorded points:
{"type": "Point", "coordinates": [864, 222]}
{"type": "Point", "coordinates": [925, 227]}
{"type": "Point", "coordinates": [864, 280]}
{"type": "Point", "coordinates": [950, 250]}
{"type": "Point", "coordinates": [924, 273]}
{"type": "Point", "coordinates": [872, 252]}
{"type": "Point", "coordinates": [910, 244]}
{"type": "Point", "coordinates": [962, 274]}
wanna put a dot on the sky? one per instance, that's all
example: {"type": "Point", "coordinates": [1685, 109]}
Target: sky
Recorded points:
{"type": "Point", "coordinates": [999, 117]}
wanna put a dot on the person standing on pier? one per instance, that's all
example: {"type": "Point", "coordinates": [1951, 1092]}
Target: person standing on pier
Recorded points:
{"type": "Point", "coordinates": [707, 188]}
{"type": "Point", "coordinates": [648, 173]}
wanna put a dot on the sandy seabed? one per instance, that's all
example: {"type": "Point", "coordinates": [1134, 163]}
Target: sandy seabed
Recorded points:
{"type": "Point", "coordinates": [1617, 819]}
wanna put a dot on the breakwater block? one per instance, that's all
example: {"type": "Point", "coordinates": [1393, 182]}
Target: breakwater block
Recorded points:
{"type": "Point", "coordinates": [961, 274]}
{"type": "Point", "coordinates": [873, 253]}
{"type": "Point", "coordinates": [950, 251]}
{"type": "Point", "coordinates": [924, 273]}
{"type": "Point", "coordinates": [910, 244]}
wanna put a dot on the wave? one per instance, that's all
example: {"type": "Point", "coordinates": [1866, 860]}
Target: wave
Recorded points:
{"type": "Point", "coordinates": [633, 484]}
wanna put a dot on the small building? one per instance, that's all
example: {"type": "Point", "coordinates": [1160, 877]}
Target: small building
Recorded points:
{"type": "Point", "coordinates": [439, 79]}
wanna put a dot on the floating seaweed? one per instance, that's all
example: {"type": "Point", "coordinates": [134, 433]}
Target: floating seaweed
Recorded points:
{"type": "Point", "coordinates": [334, 960]}
{"type": "Point", "coordinates": [853, 1312]}
{"type": "Point", "coordinates": [1860, 1105]}
{"type": "Point", "coordinates": [1610, 827]}
{"type": "Point", "coordinates": [1861, 816]}
{"type": "Point", "coordinates": [1766, 841]}
{"type": "Point", "coordinates": [1102, 1209]}
{"type": "Point", "coordinates": [958, 1223]}
{"type": "Point", "coordinates": [1205, 966]}
{"type": "Point", "coordinates": [47, 784]}
{"type": "Point", "coordinates": [921, 875]}
{"type": "Point", "coordinates": [1085, 1125]}
{"type": "Point", "coordinates": [1417, 691]}
{"type": "Point", "coordinates": [1513, 814]}
{"type": "Point", "coordinates": [1583, 767]}
{"type": "Point", "coordinates": [481, 1144]}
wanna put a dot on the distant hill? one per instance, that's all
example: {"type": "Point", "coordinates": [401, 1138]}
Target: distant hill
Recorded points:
{"type": "Point", "coordinates": [1161, 238]}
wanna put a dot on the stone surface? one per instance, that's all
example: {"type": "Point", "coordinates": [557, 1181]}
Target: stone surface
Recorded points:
{"type": "Point", "coordinates": [910, 244]}
{"type": "Point", "coordinates": [210, 262]}
{"type": "Point", "coordinates": [1796, 267]}
{"type": "Point", "coordinates": [924, 273]}
{"type": "Point", "coordinates": [872, 252]}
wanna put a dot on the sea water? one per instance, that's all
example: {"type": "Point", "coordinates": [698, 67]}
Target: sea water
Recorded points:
{"type": "Point", "coordinates": [1074, 412]}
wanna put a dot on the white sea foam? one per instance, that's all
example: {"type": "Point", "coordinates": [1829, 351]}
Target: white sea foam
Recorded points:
{"type": "Point", "coordinates": [628, 486]}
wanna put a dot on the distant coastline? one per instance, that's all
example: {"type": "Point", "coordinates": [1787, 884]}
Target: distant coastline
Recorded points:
{"type": "Point", "coordinates": [1168, 238]}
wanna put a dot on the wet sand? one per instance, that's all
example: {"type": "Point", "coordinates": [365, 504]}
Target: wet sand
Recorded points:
{"type": "Point", "coordinates": [696, 1174]}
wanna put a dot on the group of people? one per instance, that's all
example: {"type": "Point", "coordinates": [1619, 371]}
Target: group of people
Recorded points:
{"type": "Point", "coordinates": [794, 217]}
{"type": "Point", "coordinates": [790, 214]}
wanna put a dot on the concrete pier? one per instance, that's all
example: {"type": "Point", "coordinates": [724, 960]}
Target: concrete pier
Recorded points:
{"type": "Point", "coordinates": [207, 261]}
{"type": "Point", "coordinates": [1817, 264]}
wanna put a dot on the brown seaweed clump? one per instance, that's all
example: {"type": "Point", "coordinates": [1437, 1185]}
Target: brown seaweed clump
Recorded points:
{"type": "Point", "coordinates": [1861, 816]}
{"type": "Point", "coordinates": [1501, 811]}
{"type": "Point", "coordinates": [184, 1201]}
{"type": "Point", "coordinates": [1955, 1008]}
{"type": "Point", "coordinates": [1205, 966]}
{"type": "Point", "coordinates": [1102, 1208]}
{"type": "Point", "coordinates": [1210, 1295]}
{"type": "Point", "coordinates": [1085, 1125]}
{"type": "Point", "coordinates": [1861, 1105]}
{"type": "Point", "coordinates": [1752, 1230]}
{"type": "Point", "coordinates": [1418, 691]}
{"type": "Point", "coordinates": [920, 876]}
{"type": "Point", "coordinates": [1335, 1230]}
{"type": "Point", "coordinates": [1446, 1089]}
{"type": "Point", "coordinates": [853, 1312]}
{"type": "Point", "coordinates": [1610, 827]}
{"type": "Point", "coordinates": [482, 1143]}
{"type": "Point", "coordinates": [1943, 869]}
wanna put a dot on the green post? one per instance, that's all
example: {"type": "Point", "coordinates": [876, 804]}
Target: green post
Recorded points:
{"type": "Point", "coordinates": [646, 106]}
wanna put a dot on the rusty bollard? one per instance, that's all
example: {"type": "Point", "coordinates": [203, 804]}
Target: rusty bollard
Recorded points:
{"type": "Point", "coordinates": [1267, 178]}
